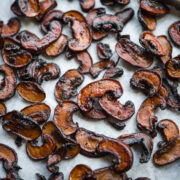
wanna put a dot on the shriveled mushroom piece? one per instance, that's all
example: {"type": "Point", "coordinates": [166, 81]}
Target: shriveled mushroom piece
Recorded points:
{"type": "Point", "coordinates": [113, 72]}
{"type": "Point", "coordinates": [22, 126]}
{"type": "Point", "coordinates": [133, 54]}
{"type": "Point", "coordinates": [39, 112]}
{"type": "Point", "coordinates": [142, 178]}
{"type": "Point", "coordinates": [81, 31]}
{"type": "Point", "coordinates": [104, 52]}
{"type": "Point", "coordinates": [2, 109]}
{"type": "Point", "coordinates": [87, 5]}
{"type": "Point", "coordinates": [145, 118]}
{"type": "Point", "coordinates": [97, 89]}
{"type": "Point", "coordinates": [15, 9]}
{"type": "Point", "coordinates": [108, 2]}
{"type": "Point", "coordinates": [120, 151]}
{"type": "Point", "coordinates": [163, 92]}
{"type": "Point", "coordinates": [31, 91]}
{"type": "Point", "coordinates": [67, 85]}
{"type": "Point", "coordinates": [141, 139]}
{"type": "Point", "coordinates": [63, 117]}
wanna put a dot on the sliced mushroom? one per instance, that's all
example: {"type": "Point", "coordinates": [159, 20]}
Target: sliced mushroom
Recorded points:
{"type": "Point", "coordinates": [108, 2]}
{"type": "Point", "coordinates": [104, 52]}
{"type": "Point", "coordinates": [2, 109]}
{"type": "Point", "coordinates": [113, 72]}
{"type": "Point", "coordinates": [133, 54]}
{"type": "Point", "coordinates": [56, 176]}
{"type": "Point", "coordinates": [87, 5]}
{"type": "Point", "coordinates": [122, 2]}
{"type": "Point", "coordinates": [163, 92]}
{"type": "Point", "coordinates": [15, 9]}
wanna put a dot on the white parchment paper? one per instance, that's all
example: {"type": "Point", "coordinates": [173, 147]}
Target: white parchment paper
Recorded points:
{"type": "Point", "coordinates": [29, 167]}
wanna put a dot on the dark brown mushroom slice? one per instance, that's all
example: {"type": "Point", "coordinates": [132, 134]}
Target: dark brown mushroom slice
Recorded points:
{"type": "Point", "coordinates": [69, 54]}
{"type": "Point", "coordinates": [63, 117]}
{"type": "Point", "coordinates": [152, 7]}
{"type": "Point", "coordinates": [3, 109]}
{"type": "Point", "coordinates": [173, 68]}
{"type": "Point", "coordinates": [163, 92]}
{"type": "Point", "coordinates": [72, 150]}
{"type": "Point", "coordinates": [67, 85]}
{"type": "Point", "coordinates": [39, 112]}
{"type": "Point", "coordinates": [168, 129]}
{"type": "Point", "coordinates": [57, 47]}
{"type": "Point", "coordinates": [56, 176]}
{"type": "Point", "coordinates": [119, 125]}
{"type": "Point", "coordinates": [15, 9]}
{"type": "Point", "coordinates": [108, 2]}
{"type": "Point", "coordinates": [140, 139]}
{"type": "Point", "coordinates": [22, 126]}
{"type": "Point", "coordinates": [146, 118]}
{"type": "Point", "coordinates": [40, 177]}
{"type": "Point", "coordinates": [85, 60]}
{"type": "Point", "coordinates": [103, 51]}
{"type": "Point", "coordinates": [97, 89]}
{"type": "Point", "coordinates": [133, 54]}
{"type": "Point", "coordinates": [31, 91]}
{"type": "Point", "coordinates": [149, 41]}
{"type": "Point", "coordinates": [113, 72]}
{"type": "Point", "coordinates": [147, 21]}
{"type": "Point", "coordinates": [87, 5]}
{"type": "Point", "coordinates": [41, 152]}
{"type": "Point", "coordinates": [88, 142]}
{"type": "Point", "coordinates": [98, 67]}
{"type": "Point", "coordinates": [120, 151]}
{"type": "Point", "coordinates": [115, 109]}
{"type": "Point", "coordinates": [29, 8]}
{"type": "Point", "coordinates": [169, 153]}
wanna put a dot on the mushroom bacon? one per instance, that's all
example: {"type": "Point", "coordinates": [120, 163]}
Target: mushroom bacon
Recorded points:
{"type": "Point", "coordinates": [2, 109]}
{"type": "Point", "coordinates": [87, 5]}
{"type": "Point", "coordinates": [104, 52]}
{"type": "Point", "coordinates": [113, 72]}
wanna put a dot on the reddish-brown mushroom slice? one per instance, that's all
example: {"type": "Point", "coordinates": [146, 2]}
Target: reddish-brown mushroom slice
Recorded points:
{"type": "Point", "coordinates": [63, 117]}
{"type": "Point", "coordinates": [168, 153]}
{"type": "Point", "coordinates": [113, 72]}
{"type": "Point", "coordinates": [88, 142]}
{"type": "Point", "coordinates": [148, 21]}
{"type": "Point", "coordinates": [120, 150]}
{"type": "Point", "coordinates": [72, 150]}
{"type": "Point", "coordinates": [67, 85]}
{"type": "Point", "coordinates": [145, 117]}
{"type": "Point", "coordinates": [87, 5]}
{"type": "Point", "coordinates": [22, 126]}
{"type": "Point", "coordinates": [8, 84]}
{"type": "Point", "coordinates": [133, 54]}
{"type": "Point", "coordinates": [149, 41]}
{"type": "Point", "coordinates": [57, 47]}
{"type": "Point", "coordinates": [31, 91]}
{"type": "Point", "coordinates": [142, 139]}
{"type": "Point", "coordinates": [38, 112]}
{"type": "Point", "coordinates": [169, 129]}
{"type": "Point", "coordinates": [41, 152]}
{"type": "Point", "coordinates": [81, 171]}
{"type": "Point", "coordinates": [97, 89]}
{"type": "Point", "coordinates": [99, 67]}
{"type": "Point", "coordinates": [163, 92]}
{"type": "Point", "coordinates": [3, 109]}
{"type": "Point", "coordinates": [153, 7]}
{"type": "Point", "coordinates": [108, 2]}
{"type": "Point", "coordinates": [174, 33]}
{"type": "Point", "coordinates": [146, 80]}
{"type": "Point", "coordinates": [15, 9]}
{"type": "Point", "coordinates": [104, 52]}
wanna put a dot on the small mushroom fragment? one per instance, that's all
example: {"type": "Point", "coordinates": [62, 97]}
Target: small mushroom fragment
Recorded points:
{"type": "Point", "coordinates": [99, 67]}
{"type": "Point", "coordinates": [63, 117]}
{"type": "Point", "coordinates": [113, 72]}
{"type": "Point", "coordinates": [152, 7]}
{"type": "Point", "coordinates": [104, 52]}
{"type": "Point", "coordinates": [67, 85]}
{"type": "Point", "coordinates": [3, 109]}
{"type": "Point", "coordinates": [146, 80]}
{"type": "Point", "coordinates": [108, 2]}
{"type": "Point", "coordinates": [38, 112]}
{"type": "Point", "coordinates": [121, 152]}
{"type": "Point", "coordinates": [87, 5]}
{"type": "Point", "coordinates": [141, 139]}
{"type": "Point", "coordinates": [22, 126]}
{"type": "Point", "coordinates": [174, 33]}
{"type": "Point", "coordinates": [133, 54]}
{"type": "Point", "coordinates": [15, 9]}
{"type": "Point", "coordinates": [97, 89]}
{"type": "Point", "coordinates": [149, 41]}
{"type": "Point", "coordinates": [56, 176]}
{"type": "Point", "coordinates": [145, 117]}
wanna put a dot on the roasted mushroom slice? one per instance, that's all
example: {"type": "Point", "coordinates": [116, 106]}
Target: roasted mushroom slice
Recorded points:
{"type": "Point", "coordinates": [2, 109]}
{"type": "Point", "coordinates": [15, 9]}
{"type": "Point", "coordinates": [38, 112]}
{"type": "Point", "coordinates": [31, 91]}
{"type": "Point", "coordinates": [108, 2]}
{"type": "Point", "coordinates": [133, 54]}
{"type": "Point", "coordinates": [141, 139]}
{"type": "Point", "coordinates": [22, 126]}
{"type": "Point", "coordinates": [56, 176]}
{"type": "Point", "coordinates": [113, 72]}
{"type": "Point", "coordinates": [87, 5]}
{"type": "Point", "coordinates": [67, 85]}
{"type": "Point", "coordinates": [104, 52]}
{"type": "Point", "coordinates": [120, 150]}
{"type": "Point", "coordinates": [145, 117]}
{"type": "Point", "coordinates": [63, 117]}
{"type": "Point", "coordinates": [122, 2]}
{"type": "Point", "coordinates": [97, 89]}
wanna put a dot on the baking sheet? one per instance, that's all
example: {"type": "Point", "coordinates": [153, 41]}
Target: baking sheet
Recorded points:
{"type": "Point", "coordinates": [29, 167]}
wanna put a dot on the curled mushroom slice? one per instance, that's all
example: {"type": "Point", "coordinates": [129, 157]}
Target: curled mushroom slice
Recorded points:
{"type": "Point", "coordinates": [87, 5]}
{"type": "Point", "coordinates": [153, 7]}
{"type": "Point", "coordinates": [67, 85]}
{"type": "Point", "coordinates": [97, 89]}
{"type": "Point", "coordinates": [142, 139]}
{"type": "Point", "coordinates": [31, 91]}
{"type": "Point", "coordinates": [2, 109]}
{"type": "Point", "coordinates": [168, 128]}
{"type": "Point", "coordinates": [108, 2]}
{"type": "Point", "coordinates": [113, 72]}
{"type": "Point", "coordinates": [38, 112]}
{"type": "Point", "coordinates": [15, 9]}
{"type": "Point", "coordinates": [120, 150]}
{"type": "Point", "coordinates": [100, 66]}
{"type": "Point", "coordinates": [22, 126]}
{"type": "Point", "coordinates": [104, 52]}
{"type": "Point", "coordinates": [168, 153]}
{"type": "Point", "coordinates": [63, 117]}
{"type": "Point", "coordinates": [145, 117]}
{"type": "Point", "coordinates": [56, 176]}
{"type": "Point", "coordinates": [133, 54]}
{"type": "Point", "coordinates": [174, 33]}
{"type": "Point", "coordinates": [149, 41]}
{"type": "Point", "coordinates": [122, 2]}
{"type": "Point", "coordinates": [41, 152]}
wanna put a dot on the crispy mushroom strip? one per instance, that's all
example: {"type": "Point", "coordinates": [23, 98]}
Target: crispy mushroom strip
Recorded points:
{"type": "Point", "coordinates": [16, 10]}
{"type": "Point", "coordinates": [113, 72]}
{"type": "Point", "coordinates": [87, 5]}
{"type": "Point", "coordinates": [104, 52]}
